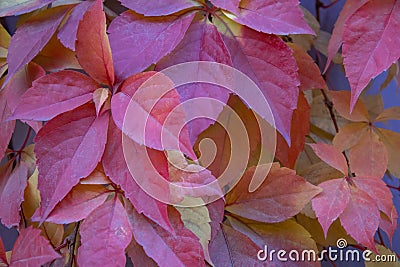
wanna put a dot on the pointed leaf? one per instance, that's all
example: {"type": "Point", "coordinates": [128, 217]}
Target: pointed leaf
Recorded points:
{"type": "Point", "coordinates": [267, 70]}
{"type": "Point", "coordinates": [78, 204]}
{"type": "Point", "coordinates": [105, 234]}
{"type": "Point", "coordinates": [158, 8]}
{"type": "Point", "coordinates": [392, 113]}
{"type": "Point", "coordinates": [101, 97]}
{"type": "Point", "coordinates": [137, 42]}
{"type": "Point", "coordinates": [54, 94]}
{"type": "Point", "coordinates": [202, 42]}
{"type": "Point", "coordinates": [299, 130]}
{"type": "Point", "coordinates": [153, 102]}
{"type": "Point", "coordinates": [68, 148]}
{"type": "Point", "coordinates": [31, 37]}
{"type": "Point", "coordinates": [31, 249]}
{"type": "Point", "coordinates": [18, 7]}
{"type": "Point", "coordinates": [335, 41]}
{"type": "Point", "coordinates": [329, 204]}
{"type": "Point", "coordinates": [12, 196]}
{"type": "Point", "coordinates": [341, 103]}
{"type": "Point", "coordinates": [369, 157]}
{"type": "Point", "coordinates": [92, 46]}
{"type": "Point", "coordinates": [115, 167]}
{"type": "Point", "coordinates": [331, 155]}
{"type": "Point", "coordinates": [370, 43]}
{"type": "Point", "coordinates": [361, 218]}
{"type": "Point", "coordinates": [269, 16]}
{"type": "Point", "coordinates": [179, 249]}
{"type": "Point", "coordinates": [392, 142]}
{"type": "Point", "coordinates": [349, 135]}
{"type": "Point", "coordinates": [68, 31]}
{"type": "Point", "coordinates": [282, 195]}
{"type": "Point", "coordinates": [232, 248]}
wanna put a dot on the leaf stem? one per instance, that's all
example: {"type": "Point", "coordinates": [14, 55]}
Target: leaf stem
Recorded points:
{"type": "Point", "coordinates": [73, 246]}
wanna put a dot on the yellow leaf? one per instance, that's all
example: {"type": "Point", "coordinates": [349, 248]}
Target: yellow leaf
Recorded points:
{"type": "Point", "coordinates": [392, 142]}
{"type": "Point", "coordinates": [386, 257]}
{"type": "Point", "coordinates": [349, 135]}
{"type": "Point", "coordinates": [31, 196]}
{"type": "Point", "coordinates": [53, 232]}
{"type": "Point", "coordinates": [101, 97]}
{"type": "Point", "coordinates": [392, 113]}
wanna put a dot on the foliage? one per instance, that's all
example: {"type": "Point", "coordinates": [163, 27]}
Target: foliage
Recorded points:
{"type": "Point", "coordinates": [80, 66]}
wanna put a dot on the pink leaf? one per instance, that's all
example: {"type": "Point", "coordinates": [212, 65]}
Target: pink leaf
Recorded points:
{"type": "Point", "coordinates": [7, 127]}
{"type": "Point", "coordinates": [275, 72]}
{"type": "Point", "coordinates": [137, 42]}
{"type": "Point", "coordinates": [370, 43]}
{"type": "Point", "coordinates": [329, 204]}
{"type": "Point", "coordinates": [216, 211]}
{"type": "Point", "coordinates": [180, 249]}
{"type": "Point", "coordinates": [12, 8]}
{"type": "Point", "coordinates": [335, 42]}
{"type": "Point", "coordinates": [68, 31]}
{"type": "Point", "coordinates": [31, 37]}
{"type": "Point", "coordinates": [68, 148]}
{"type": "Point", "coordinates": [331, 155]}
{"type": "Point", "coordinates": [232, 248]}
{"type": "Point", "coordinates": [141, 110]}
{"type": "Point", "coordinates": [115, 167]}
{"type": "Point", "coordinates": [361, 218]}
{"type": "Point", "coordinates": [13, 195]}
{"type": "Point", "coordinates": [202, 42]}
{"type": "Point", "coordinates": [158, 8]}
{"type": "Point", "coordinates": [92, 46]}
{"type": "Point", "coordinates": [78, 204]}
{"type": "Point", "coordinates": [270, 16]}
{"type": "Point", "coordinates": [230, 5]}
{"type": "Point", "coordinates": [54, 94]}
{"type": "Point", "coordinates": [31, 249]}
{"type": "Point", "coordinates": [105, 234]}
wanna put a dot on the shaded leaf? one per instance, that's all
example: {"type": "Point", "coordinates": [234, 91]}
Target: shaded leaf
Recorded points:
{"type": "Point", "coordinates": [7, 127]}
{"type": "Point", "coordinates": [13, 195]}
{"type": "Point", "coordinates": [92, 46]}
{"type": "Point", "coordinates": [31, 249]}
{"type": "Point", "coordinates": [96, 177]}
{"type": "Point", "coordinates": [138, 255]}
{"type": "Point", "coordinates": [331, 155]}
{"type": "Point", "coordinates": [282, 195]}
{"type": "Point", "coordinates": [18, 7]}
{"type": "Point", "coordinates": [376, 261]}
{"type": "Point", "coordinates": [349, 135]}
{"type": "Point", "coordinates": [341, 103]}
{"type": "Point", "coordinates": [105, 234]}
{"type": "Point", "coordinates": [68, 148]}
{"type": "Point", "coordinates": [158, 8]}
{"type": "Point", "coordinates": [137, 42]}
{"type": "Point", "coordinates": [78, 204]}
{"type": "Point", "coordinates": [392, 142]}
{"type": "Point", "coordinates": [54, 94]}
{"type": "Point", "coordinates": [3, 258]}
{"type": "Point", "coordinates": [392, 113]}
{"type": "Point", "coordinates": [101, 97]}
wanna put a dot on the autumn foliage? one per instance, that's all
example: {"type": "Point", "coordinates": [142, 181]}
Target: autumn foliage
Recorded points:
{"type": "Point", "coordinates": [80, 194]}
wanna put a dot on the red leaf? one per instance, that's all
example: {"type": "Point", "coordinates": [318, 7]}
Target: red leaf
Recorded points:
{"type": "Point", "coordinates": [282, 195]}
{"type": "Point", "coordinates": [331, 155]}
{"type": "Point", "coordinates": [299, 130]}
{"type": "Point", "coordinates": [3, 257]}
{"type": "Point", "coordinates": [105, 234]}
{"type": "Point", "coordinates": [309, 73]}
{"type": "Point", "coordinates": [369, 157]}
{"type": "Point", "coordinates": [370, 43]}
{"type": "Point", "coordinates": [12, 8]}
{"type": "Point", "coordinates": [335, 42]}
{"type": "Point", "coordinates": [378, 191]}
{"type": "Point", "coordinates": [275, 72]}
{"type": "Point", "coordinates": [360, 219]}
{"type": "Point", "coordinates": [137, 42]}
{"type": "Point", "coordinates": [31, 249]}
{"type": "Point", "coordinates": [68, 148]}
{"type": "Point", "coordinates": [138, 256]}
{"type": "Point", "coordinates": [329, 204]}
{"type": "Point", "coordinates": [54, 94]}
{"type": "Point", "coordinates": [202, 42]}
{"type": "Point", "coordinates": [150, 104]}
{"type": "Point", "coordinates": [115, 167]}
{"type": "Point", "coordinates": [7, 127]}
{"type": "Point", "coordinates": [68, 31]}
{"type": "Point", "coordinates": [232, 248]}
{"type": "Point", "coordinates": [31, 37]}
{"type": "Point", "coordinates": [270, 16]}
{"type": "Point", "coordinates": [158, 8]}
{"type": "Point", "coordinates": [216, 212]}
{"type": "Point", "coordinates": [92, 45]}
{"type": "Point", "coordinates": [180, 249]}
{"type": "Point", "coordinates": [78, 204]}
{"type": "Point", "coordinates": [13, 195]}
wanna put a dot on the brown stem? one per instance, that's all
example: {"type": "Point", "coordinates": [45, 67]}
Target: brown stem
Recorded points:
{"type": "Point", "coordinates": [73, 246]}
